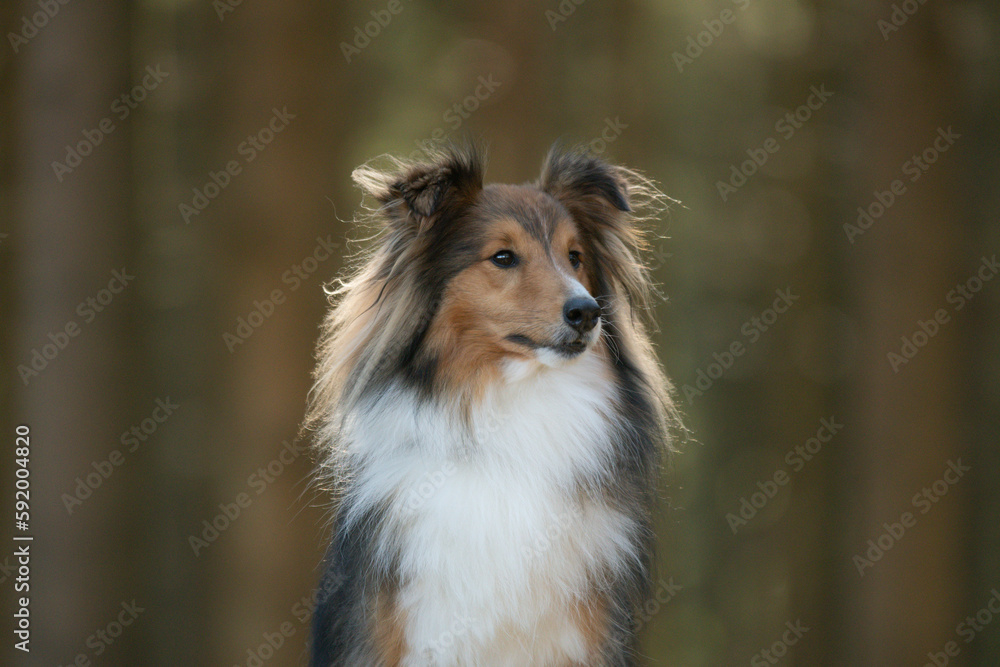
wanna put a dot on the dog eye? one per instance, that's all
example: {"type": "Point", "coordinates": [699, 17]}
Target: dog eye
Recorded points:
{"type": "Point", "coordinates": [574, 259]}
{"type": "Point", "coordinates": [504, 259]}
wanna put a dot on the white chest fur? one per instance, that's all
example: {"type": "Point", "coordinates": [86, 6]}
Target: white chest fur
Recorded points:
{"type": "Point", "coordinates": [495, 541]}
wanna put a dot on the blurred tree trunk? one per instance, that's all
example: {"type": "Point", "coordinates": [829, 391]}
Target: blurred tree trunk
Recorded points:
{"type": "Point", "coordinates": [176, 314]}
{"type": "Point", "coordinates": [260, 67]}
{"type": "Point", "coordinates": [908, 423]}
{"type": "Point", "coordinates": [71, 234]}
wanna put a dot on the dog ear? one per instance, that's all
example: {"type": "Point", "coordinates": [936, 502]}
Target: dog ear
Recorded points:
{"type": "Point", "coordinates": [419, 193]}
{"type": "Point", "coordinates": [584, 184]}
{"type": "Point", "coordinates": [611, 204]}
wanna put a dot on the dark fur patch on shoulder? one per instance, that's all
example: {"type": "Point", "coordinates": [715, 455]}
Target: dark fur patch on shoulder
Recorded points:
{"type": "Point", "coordinates": [351, 581]}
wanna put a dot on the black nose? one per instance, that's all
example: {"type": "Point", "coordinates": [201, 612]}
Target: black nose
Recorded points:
{"type": "Point", "coordinates": [581, 313]}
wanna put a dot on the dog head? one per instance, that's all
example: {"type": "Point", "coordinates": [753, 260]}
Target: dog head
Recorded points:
{"type": "Point", "coordinates": [479, 274]}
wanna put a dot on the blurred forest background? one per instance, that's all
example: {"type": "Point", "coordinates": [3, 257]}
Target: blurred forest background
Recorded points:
{"type": "Point", "coordinates": [202, 150]}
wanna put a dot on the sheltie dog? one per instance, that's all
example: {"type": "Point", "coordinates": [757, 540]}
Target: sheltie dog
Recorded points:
{"type": "Point", "coordinates": [491, 417]}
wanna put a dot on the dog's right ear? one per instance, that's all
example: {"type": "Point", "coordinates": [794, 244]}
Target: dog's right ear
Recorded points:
{"type": "Point", "coordinates": [420, 193]}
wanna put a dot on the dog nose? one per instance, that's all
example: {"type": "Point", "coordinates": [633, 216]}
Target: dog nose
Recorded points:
{"type": "Point", "coordinates": [581, 313]}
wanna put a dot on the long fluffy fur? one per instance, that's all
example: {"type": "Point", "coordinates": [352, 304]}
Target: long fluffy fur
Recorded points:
{"type": "Point", "coordinates": [373, 358]}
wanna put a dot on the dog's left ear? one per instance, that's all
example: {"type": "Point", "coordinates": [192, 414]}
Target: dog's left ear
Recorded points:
{"type": "Point", "coordinates": [586, 185]}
